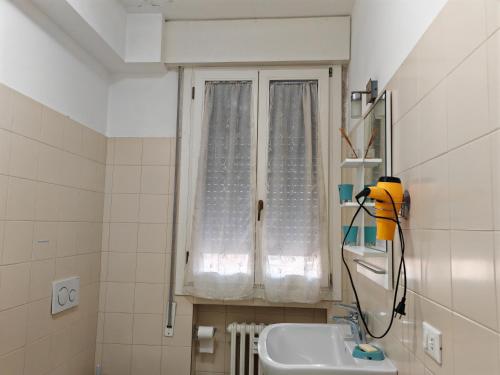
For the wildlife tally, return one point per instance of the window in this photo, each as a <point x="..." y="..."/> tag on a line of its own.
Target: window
<point x="254" y="212"/>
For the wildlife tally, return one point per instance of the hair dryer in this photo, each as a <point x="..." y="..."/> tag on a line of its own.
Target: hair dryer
<point x="388" y="195"/>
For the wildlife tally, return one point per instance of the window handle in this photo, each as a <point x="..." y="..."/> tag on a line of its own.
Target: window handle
<point x="260" y="207"/>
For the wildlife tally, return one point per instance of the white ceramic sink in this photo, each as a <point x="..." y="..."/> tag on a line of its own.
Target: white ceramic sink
<point x="313" y="349"/>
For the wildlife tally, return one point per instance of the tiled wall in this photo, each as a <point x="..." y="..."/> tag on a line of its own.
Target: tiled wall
<point x="51" y="204"/>
<point x="136" y="263"/>
<point x="446" y="130"/>
<point x="221" y="316"/>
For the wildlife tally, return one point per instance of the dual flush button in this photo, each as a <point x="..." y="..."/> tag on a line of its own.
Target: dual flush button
<point x="65" y="294"/>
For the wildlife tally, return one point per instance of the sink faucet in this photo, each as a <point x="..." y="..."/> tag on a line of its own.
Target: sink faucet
<point x="358" y="330"/>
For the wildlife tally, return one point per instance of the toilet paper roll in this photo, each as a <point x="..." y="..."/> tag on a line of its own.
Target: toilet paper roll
<point x="205" y="336"/>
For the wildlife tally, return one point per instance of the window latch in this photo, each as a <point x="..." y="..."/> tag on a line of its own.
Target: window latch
<point x="260" y="207"/>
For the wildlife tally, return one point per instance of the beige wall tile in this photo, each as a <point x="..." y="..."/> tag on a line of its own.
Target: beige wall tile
<point x="39" y="322"/>
<point x="480" y="358"/>
<point x="405" y="96"/>
<point x="110" y="151"/>
<point x="21" y="199"/>
<point x="150" y="268"/>
<point x="149" y="298"/>
<point x="413" y="259"/>
<point x="72" y="137"/>
<point x="5" y="146"/>
<point x="121" y="267"/>
<point x="471" y="108"/>
<point x="50" y="163"/>
<point x="38" y="358"/>
<point x="156" y="151"/>
<point x="118" y="328"/>
<point x="433" y="62"/>
<point x="65" y="267"/>
<point x="4" y="183"/>
<point x="18" y="242"/>
<point x="116" y="359"/>
<point x="152" y="238"/>
<point x="126" y="179"/>
<point x="127" y="151"/>
<point x="23" y="157"/>
<point x="61" y="345"/>
<point x="433" y="123"/>
<point x="123" y="237"/>
<point x="176" y="360"/>
<point x="13" y="328"/>
<point x="47" y="204"/>
<point x="94" y="145"/>
<point x="407" y="141"/>
<point x="155" y="180"/>
<point x="436" y="266"/>
<point x="184" y="305"/>
<point x="41" y="277"/>
<point x="6" y="97"/>
<point x="495" y="149"/>
<point x="146" y="360"/>
<point x="14" y="285"/>
<point x="471" y="163"/>
<point x="26" y="116"/>
<point x="492" y="16"/>
<point x="493" y="47"/>
<point x="460" y="41"/>
<point x="66" y="238"/>
<point x="119" y="297"/>
<point x="124" y="207"/>
<point x="147" y="329"/>
<point x="153" y="208"/>
<point x="497" y="272"/>
<point x="13" y="363"/>
<point x="473" y="274"/>
<point x="434" y="194"/>
<point x="52" y="128"/>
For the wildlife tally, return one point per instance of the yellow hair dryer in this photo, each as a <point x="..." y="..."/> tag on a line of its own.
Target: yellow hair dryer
<point x="387" y="192"/>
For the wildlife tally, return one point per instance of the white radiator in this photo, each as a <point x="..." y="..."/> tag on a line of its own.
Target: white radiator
<point x="245" y="359"/>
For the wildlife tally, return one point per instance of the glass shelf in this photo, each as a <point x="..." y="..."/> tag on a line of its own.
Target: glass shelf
<point x="355" y="204"/>
<point x="364" y="251"/>
<point x="356" y="163"/>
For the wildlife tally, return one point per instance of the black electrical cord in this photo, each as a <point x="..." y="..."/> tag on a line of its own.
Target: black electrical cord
<point x="400" y="308"/>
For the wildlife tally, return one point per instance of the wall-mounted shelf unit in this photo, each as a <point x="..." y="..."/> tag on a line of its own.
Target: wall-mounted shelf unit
<point x="374" y="262"/>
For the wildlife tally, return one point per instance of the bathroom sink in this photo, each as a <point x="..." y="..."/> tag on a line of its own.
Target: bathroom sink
<point x="310" y="349"/>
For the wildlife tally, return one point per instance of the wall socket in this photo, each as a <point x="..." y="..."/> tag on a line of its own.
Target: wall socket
<point x="432" y="342"/>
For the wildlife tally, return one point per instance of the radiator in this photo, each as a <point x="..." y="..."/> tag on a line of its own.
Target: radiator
<point x="245" y="336"/>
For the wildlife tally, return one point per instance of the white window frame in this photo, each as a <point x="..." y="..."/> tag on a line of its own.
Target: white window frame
<point x="329" y="97"/>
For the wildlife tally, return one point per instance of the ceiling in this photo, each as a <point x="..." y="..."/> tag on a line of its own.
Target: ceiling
<point x="227" y="9"/>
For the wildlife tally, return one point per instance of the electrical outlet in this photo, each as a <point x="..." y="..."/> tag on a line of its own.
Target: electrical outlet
<point x="432" y="342"/>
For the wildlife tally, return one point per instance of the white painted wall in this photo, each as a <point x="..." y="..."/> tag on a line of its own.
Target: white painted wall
<point x="40" y="61"/>
<point x="143" y="106"/>
<point x="322" y="39"/>
<point x="144" y="37"/>
<point x="383" y="33"/>
<point x="107" y="17"/>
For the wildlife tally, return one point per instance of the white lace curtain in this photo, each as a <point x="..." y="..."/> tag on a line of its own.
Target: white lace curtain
<point x="221" y="262"/>
<point x="293" y="218"/>
<point x="222" y="249"/>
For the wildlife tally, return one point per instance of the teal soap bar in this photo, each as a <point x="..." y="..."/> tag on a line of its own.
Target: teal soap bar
<point x="376" y="355"/>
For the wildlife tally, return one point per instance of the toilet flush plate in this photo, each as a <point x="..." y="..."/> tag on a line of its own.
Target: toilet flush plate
<point x="65" y="294"/>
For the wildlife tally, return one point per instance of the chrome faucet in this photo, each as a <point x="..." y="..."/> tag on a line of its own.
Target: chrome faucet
<point x="358" y="331"/>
